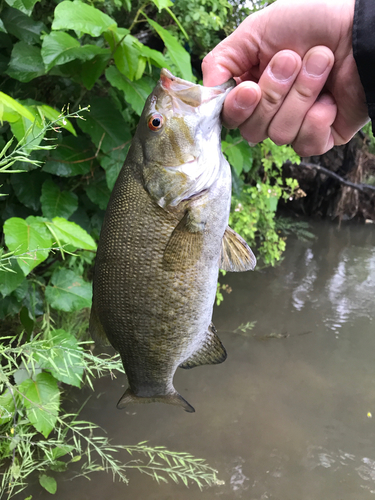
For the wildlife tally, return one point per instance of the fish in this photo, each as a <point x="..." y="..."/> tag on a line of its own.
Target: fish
<point x="164" y="237"/>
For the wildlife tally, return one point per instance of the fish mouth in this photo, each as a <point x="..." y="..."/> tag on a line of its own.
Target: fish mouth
<point x="191" y="93"/>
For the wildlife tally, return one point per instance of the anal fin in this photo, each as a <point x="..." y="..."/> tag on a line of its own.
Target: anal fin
<point x="184" y="247"/>
<point x="236" y="255"/>
<point x="96" y="329"/>
<point x="212" y="351"/>
<point x="173" y="399"/>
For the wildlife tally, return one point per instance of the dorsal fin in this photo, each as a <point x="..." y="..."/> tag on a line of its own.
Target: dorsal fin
<point x="212" y="351"/>
<point x="236" y="255"/>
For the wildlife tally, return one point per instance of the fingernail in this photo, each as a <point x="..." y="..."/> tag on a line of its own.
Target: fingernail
<point x="245" y="97"/>
<point x="283" y="66"/>
<point x="317" y="63"/>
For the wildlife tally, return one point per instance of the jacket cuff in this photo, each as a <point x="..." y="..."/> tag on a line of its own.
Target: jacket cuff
<point x="364" y="50"/>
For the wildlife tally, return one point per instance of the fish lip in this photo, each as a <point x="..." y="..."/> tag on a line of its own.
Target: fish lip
<point x="171" y="83"/>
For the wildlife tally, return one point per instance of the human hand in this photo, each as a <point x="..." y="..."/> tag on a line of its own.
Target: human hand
<point x="297" y="79"/>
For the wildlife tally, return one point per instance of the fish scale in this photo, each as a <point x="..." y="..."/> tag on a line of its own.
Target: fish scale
<point x="157" y="263"/>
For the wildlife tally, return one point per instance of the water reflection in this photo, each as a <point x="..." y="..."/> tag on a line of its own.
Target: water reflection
<point x="286" y="416"/>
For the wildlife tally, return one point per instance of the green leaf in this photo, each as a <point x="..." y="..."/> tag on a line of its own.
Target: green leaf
<point x="247" y="155"/>
<point x="162" y="4"/>
<point x="178" y="54"/>
<point x="25" y="6"/>
<point x="42" y="401"/>
<point x="69" y="291"/>
<point x="27" y="238"/>
<point x="28" y="187"/>
<point x="6" y="407"/>
<point x="56" y="202"/>
<point x="72" y="157"/>
<point x="31" y="130"/>
<point x="71" y="234"/>
<point x="135" y="92"/>
<point x="64" y="359"/>
<point x="112" y="163"/>
<point x="78" y="16"/>
<point x="154" y="56"/>
<point x="235" y="158"/>
<point x="61" y="450"/>
<point x="93" y="69"/>
<point x="59" y="466"/>
<point x="26" y="62"/>
<point x="27" y="322"/>
<point x="98" y="192"/>
<point x="60" y="48"/>
<point x="127" y="54"/>
<point x="11" y="110"/>
<point x="10" y="280"/>
<point x="9" y="306"/>
<point x="105" y="125"/>
<point x="22" y="26"/>
<point x="48" y="483"/>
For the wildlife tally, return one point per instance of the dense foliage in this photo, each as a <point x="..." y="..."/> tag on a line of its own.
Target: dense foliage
<point x="74" y="79"/>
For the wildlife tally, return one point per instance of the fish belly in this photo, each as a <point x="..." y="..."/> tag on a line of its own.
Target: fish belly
<point x="156" y="318"/>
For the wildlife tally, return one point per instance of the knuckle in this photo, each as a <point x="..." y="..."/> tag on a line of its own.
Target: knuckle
<point x="271" y="99"/>
<point x="305" y="93"/>
<point x="251" y="137"/>
<point x="280" y="137"/>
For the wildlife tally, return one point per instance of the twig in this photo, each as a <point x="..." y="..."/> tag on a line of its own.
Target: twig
<point x="359" y="187"/>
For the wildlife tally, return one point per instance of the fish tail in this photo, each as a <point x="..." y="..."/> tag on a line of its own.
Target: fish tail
<point x="172" y="399"/>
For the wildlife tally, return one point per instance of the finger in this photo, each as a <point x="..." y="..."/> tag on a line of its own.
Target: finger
<point x="315" y="136"/>
<point x="316" y="67"/>
<point x="275" y="83"/>
<point x="240" y="104"/>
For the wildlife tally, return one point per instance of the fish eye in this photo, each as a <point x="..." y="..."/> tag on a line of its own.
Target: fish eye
<point x="155" y="122"/>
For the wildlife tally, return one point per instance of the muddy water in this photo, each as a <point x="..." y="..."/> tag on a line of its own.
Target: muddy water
<point x="288" y="415"/>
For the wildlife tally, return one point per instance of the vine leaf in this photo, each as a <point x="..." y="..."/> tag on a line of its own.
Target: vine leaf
<point x="59" y="48"/>
<point x="64" y="360"/>
<point x="69" y="291"/>
<point x="22" y="26"/>
<point x="105" y="125"/>
<point x="179" y="56"/>
<point x="78" y="16"/>
<point x="26" y="62"/>
<point x="70" y="233"/>
<point x="28" y="239"/>
<point x="48" y="483"/>
<point x="25" y="6"/>
<point x="41" y="398"/>
<point x="56" y="202"/>
<point x="135" y="92"/>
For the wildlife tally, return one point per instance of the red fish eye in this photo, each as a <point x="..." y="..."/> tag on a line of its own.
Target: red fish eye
<point x="155" y="122"/>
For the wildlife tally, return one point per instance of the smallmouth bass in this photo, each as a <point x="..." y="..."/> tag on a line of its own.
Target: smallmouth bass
<point x="164" y="236"/>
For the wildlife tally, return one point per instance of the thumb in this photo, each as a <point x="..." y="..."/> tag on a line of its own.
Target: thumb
<point x="234" y="56"/>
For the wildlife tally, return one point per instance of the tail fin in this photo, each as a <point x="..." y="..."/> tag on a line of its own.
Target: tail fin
<point x="172" y="399"/>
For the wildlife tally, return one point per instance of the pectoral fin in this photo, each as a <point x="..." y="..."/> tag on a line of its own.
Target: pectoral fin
<point x="236" y="255"/>
<point x="185" y="245"/>
<point x="172" y="399"/>
<point x="211" y="353"/>
<point x="96" y="329"/>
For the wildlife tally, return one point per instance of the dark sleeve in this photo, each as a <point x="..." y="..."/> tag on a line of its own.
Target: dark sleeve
<point x="364" y="50"/>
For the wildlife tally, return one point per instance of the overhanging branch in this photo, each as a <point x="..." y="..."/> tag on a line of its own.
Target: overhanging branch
<point x="359" y="187"/>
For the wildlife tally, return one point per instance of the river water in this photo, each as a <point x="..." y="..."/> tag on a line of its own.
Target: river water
<point x="288" y="416"/>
